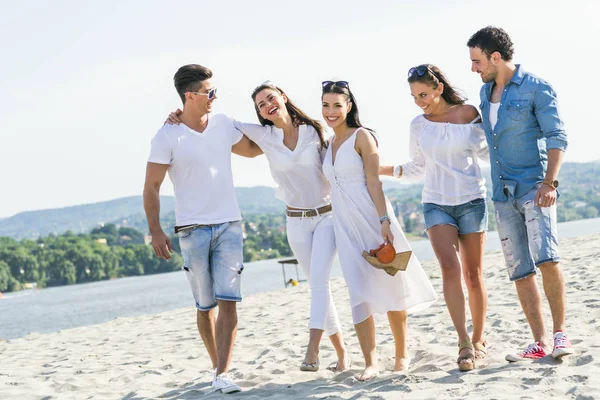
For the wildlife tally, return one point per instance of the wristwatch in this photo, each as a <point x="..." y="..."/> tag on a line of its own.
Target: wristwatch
<point x="554" y="183"/>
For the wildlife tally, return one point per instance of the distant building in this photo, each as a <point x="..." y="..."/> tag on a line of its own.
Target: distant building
<point x="578" y="204"/>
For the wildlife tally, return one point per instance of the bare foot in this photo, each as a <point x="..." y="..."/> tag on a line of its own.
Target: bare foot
<point x="368" y="373"/>
<point x="342" y="364"/>
<point x="401" y="365"/>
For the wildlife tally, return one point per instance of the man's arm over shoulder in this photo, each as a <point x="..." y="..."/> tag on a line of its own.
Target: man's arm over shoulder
<point x="545" y="108"/>
<point x="246" y="148"/>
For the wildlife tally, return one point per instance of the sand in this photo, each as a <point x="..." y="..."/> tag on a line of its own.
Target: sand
<point x="162" y="356"/>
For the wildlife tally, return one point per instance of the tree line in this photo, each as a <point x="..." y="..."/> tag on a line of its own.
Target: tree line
<point x="105" y="253"/>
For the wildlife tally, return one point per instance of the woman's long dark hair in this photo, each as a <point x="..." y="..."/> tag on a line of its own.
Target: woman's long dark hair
<point x="298" y="116"/>
<point x="432" y="77"/>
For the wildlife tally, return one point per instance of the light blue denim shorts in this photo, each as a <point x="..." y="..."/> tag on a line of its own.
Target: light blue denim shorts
<point x="528" y="234"/>
<point x="469" y="217"/>
<point x="213" y="262"/>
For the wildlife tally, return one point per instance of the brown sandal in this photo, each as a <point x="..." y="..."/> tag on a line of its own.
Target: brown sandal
<point x="480" y="349"/>
<point x="466" y="362"/>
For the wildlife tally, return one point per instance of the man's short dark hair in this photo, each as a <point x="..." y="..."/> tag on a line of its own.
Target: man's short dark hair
<point x="189" y="79"/>
<point x="491" y="39"/>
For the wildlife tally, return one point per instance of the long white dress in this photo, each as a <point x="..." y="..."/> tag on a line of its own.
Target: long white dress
<point x="357" y="228"/>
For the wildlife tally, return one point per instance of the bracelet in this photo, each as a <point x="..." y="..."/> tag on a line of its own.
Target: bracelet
<point x="397" y="171"/>
<point x="384" y="218"/>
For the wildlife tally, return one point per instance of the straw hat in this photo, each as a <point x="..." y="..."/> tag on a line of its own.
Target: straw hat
<point x="399" y="263"/>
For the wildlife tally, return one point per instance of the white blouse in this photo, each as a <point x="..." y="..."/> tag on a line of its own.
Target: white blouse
<point x="299" y="172"/>
<point x="447" y="155"/>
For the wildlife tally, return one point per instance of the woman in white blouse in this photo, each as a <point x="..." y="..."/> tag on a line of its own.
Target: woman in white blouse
<point x="294" y="146"/>
<point x="446" y="145"/>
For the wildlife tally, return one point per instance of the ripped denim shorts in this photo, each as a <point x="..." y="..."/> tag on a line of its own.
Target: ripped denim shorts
<point x="528" y="234"/>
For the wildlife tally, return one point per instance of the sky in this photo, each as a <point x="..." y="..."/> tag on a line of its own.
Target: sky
<point x="86" y="85"/>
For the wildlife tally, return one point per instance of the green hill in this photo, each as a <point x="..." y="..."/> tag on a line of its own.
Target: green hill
<point x="127" y="211"/>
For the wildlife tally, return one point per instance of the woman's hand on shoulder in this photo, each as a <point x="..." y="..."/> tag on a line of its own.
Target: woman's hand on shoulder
<point x="173" y="118"/>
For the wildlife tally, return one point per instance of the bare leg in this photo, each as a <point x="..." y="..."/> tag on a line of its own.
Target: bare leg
<point x="365" y="332"/>
<point x="531" y="302"/>
<point x="554" y="288"/>
<point x="398" y="324"/>
<point x="343" y="362"/>
<point x="312" y="350"/>
<point x="226" y="330"/>
<point x="206" y="322"/>
<point x="444" y="240"/>
<point x="471" y="252"/>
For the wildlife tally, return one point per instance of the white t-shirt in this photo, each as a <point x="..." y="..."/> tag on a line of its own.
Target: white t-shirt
<point x="494" y="107"/>
<point x="447" y="155"/>
<point x="299" y="172"/>
<point x="200" y="169"/>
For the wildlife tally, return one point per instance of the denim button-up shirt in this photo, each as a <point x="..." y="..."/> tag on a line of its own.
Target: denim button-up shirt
<point x="528" y="125"/>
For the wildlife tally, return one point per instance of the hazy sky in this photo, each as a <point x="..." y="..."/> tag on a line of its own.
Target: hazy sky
<point x="85" y="87"/>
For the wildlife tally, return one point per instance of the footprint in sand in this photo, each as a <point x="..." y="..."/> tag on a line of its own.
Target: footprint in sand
<point x="584" y="360"/>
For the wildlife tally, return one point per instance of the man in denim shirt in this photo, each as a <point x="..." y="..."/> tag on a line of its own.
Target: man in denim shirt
<point x="526" y="140"/>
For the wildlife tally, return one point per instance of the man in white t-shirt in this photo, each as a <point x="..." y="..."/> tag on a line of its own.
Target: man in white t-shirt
<point x="197" y="156"/>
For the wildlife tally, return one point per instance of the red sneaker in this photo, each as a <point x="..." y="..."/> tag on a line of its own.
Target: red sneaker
<point x="562" y="345"/>
<point x="533" y="352"/>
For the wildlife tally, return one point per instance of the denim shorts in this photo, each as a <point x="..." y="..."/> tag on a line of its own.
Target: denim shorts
<point x="528" y="234"/>
<point x="469" y="217"/>
<point x="213" y="262"/>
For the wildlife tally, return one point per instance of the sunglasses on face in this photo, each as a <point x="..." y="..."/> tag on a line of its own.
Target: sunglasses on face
<point x="211" y="93"/>
<point x="328" y="84"/>
<point x="420" y="71"/>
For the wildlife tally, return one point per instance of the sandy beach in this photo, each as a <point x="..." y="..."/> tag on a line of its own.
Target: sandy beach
<point x="162" y="356"/>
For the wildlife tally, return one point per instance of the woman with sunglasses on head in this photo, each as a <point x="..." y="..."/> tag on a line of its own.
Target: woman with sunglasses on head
<point x="294" y="146"/>
<point x="446" y="144"/>
<point x="362" y="219"/>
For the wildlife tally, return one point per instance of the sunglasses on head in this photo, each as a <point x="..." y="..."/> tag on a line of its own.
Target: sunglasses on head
<point x="419" y="71"/>
<point x="262" y="85"/>
<point x="328" y="84"/>
<point x="211" y="93"/>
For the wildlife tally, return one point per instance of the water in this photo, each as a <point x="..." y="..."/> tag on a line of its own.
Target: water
<point x="53" y="309"/>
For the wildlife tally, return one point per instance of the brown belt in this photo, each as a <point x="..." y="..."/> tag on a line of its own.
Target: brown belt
<point x="308" y="213"/>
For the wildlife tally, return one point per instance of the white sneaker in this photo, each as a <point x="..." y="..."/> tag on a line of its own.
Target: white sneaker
<point x="225" y="385"/>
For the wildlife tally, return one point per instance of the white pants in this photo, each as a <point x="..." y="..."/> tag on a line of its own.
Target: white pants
<point x="313" y="242"/>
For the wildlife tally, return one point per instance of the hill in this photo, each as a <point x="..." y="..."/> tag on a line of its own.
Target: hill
<point x="127" y="211"/>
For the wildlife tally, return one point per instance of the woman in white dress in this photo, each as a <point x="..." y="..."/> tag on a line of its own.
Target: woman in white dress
<point x="446" y="146"/>
<point x="363" y="218"/>
<point x="294" y="146"/>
